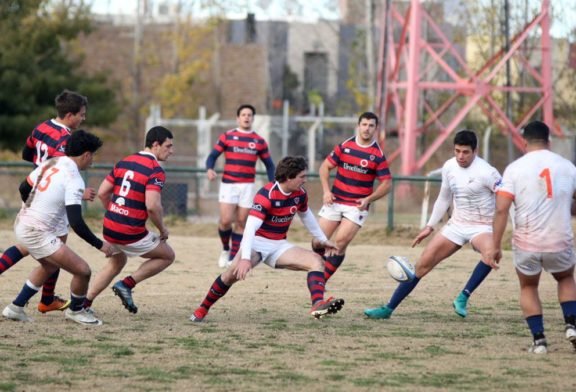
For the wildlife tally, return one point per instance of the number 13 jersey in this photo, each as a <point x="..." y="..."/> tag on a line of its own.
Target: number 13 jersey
<point x="56" y="184"/>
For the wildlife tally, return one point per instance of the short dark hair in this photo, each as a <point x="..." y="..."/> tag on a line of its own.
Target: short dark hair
<point x="245" y="106"/>
<point x="466" y="137"/>
<point x="368" y="116"/>
<point x="289" y="167"/>
<point x="69" y="102"/>
<point x="157" y="134"/>
<point x="536" y="131"/>
<point x="80" y="142"/>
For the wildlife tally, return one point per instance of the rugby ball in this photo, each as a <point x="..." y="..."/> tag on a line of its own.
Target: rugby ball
<point x="400" y="269"/>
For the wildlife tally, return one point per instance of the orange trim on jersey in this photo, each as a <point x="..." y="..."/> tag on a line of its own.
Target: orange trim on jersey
<point x="507" y="195"/>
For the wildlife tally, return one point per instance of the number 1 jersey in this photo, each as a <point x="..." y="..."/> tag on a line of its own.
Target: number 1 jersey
<point x="542" y="185"/>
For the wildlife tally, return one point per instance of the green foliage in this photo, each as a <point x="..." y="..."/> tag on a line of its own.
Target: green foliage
<point x="38" y="59"/>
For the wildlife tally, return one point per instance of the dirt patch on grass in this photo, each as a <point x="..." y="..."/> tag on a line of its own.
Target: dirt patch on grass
<point x="259" y="337"/>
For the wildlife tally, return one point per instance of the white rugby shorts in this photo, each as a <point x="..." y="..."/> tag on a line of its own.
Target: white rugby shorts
<point x="270" y="250"/>
<point x="138" y="248"/>
<point x="241" y="194"/>
<point x="462" y="234"/>
<point x="531" y="263"/>
<point x="61" y="228"/>
<point x="40" y="243"/>
<point x="336" y="211"/>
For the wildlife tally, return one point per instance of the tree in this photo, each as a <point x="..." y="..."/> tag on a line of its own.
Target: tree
<point x="190" y="69"/>
<point x="38" y="59"/>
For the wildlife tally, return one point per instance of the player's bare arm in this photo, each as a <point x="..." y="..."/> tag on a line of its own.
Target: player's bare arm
<point x="503" y="204"/>
<point x="330" y="247"/>
<point x="426" y="231"/>
<point x="211" y="174"/>
<point x="105" y="192"/>
<point x="89" y="194"/>
<point x="441" y="206"/>
<point x="324" y="174"/>
<point x="381" y="191"/>
<point x="156" y="212"/>
<point x="242" y="268"/>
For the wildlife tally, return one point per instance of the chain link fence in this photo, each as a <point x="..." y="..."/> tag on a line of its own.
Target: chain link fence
<point x="188" y="194"/>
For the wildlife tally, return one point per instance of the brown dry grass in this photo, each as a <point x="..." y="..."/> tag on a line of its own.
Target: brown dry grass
<point x="260" y="337"/>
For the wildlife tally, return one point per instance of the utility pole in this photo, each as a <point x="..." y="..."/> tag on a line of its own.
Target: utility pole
<point x="137" y="73"/>
<point x="506" y="28"/>
<point x="370" y="68"/>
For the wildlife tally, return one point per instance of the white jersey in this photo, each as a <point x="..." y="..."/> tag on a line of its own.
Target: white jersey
<point x="470" y="189"/>
<point x="57" y="183"/>
<point x="542" y="185"/>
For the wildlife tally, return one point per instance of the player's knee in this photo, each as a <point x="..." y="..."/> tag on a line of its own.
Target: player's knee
<point x="422" y="269"/>
<point x="225" y="223"/>
<point x="228" y="277"/>
<point x="316" y="263"/>
<point x="342" y="244"/>
<point x="84" y="271"/>
<point x="317" y="247"/>
<point x="341" y="248"/>
<point x="169" y="256"/>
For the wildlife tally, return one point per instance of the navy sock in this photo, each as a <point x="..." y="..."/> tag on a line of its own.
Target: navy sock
<point x="49" y="287"/>
<point x="402" y="292"/>
<point x="316" y="285"/>
<point x="536" y="325"/>
<point x="27" y="292"/>
<point x="236" y="240"/>
<point x="478" y="275"/>
<point x="569" y="311"/>
<point x="10" y="257"/>
<point x="217" y="291"/>
<point x="331" y="265"/>
<point x="76" y="302"/>
<point x="225" y="238"/>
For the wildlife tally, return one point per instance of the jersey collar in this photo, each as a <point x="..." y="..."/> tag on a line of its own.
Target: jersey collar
<point x="60" y="124"/>
<point x="143" y="152"/>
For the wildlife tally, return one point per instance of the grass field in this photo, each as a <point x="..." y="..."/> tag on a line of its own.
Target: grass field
<point x="259" y="337"/>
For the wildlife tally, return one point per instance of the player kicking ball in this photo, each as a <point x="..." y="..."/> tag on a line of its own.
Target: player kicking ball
<point x="264" y="240"/>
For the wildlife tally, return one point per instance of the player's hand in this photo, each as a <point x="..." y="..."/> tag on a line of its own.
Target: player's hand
<point x="363" y="204"/>
<point x="422" y="235"/>
<point x="493" y="259"/>
<point x="328" y="198"/>
<point x="164" y="234"/>
<point x="211" y="174"/>
<point x="331" y="249"/>
<point x="89" y="194"/>
<point x="107" y="249"/>
<point x="242" y="268"/>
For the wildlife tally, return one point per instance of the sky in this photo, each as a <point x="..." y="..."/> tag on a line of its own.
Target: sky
<point x="263" y="9"/>
<point x="564" y="12"/>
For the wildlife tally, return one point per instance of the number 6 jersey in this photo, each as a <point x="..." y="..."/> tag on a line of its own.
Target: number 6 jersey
<point x="542" y="185"/>
<point x="126" y="215"/>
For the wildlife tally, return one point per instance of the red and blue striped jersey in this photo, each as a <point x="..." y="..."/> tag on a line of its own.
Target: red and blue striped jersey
<point x="358" y="166"/>
<point x="277" y="210"/>
<point x="126" y="214"/>
<point x="241" y="150"/>
<point x="47" y="140"/>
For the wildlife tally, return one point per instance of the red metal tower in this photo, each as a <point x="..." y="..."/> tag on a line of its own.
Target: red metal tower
<point x="404" y="76"/>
